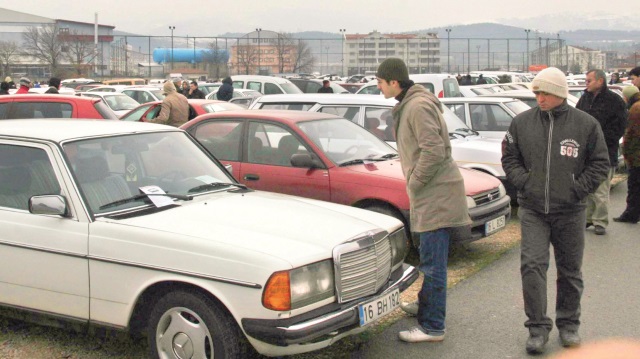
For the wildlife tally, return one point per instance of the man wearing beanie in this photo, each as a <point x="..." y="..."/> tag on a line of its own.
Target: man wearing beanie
<point x="555" y="156"/>
<point x="435" y="188"/>
<point x="25" y="85"/>
<point x="610" y="110"/>
<point x="174" y="110"/>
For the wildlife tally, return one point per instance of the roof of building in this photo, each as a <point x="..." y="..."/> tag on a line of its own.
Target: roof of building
<point x="11" y="16"/>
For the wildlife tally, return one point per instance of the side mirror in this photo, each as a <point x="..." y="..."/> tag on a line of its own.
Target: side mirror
<point x="305" y="161"/>
<point x="48" y="205"/>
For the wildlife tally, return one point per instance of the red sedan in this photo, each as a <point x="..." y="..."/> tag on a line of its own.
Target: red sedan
<point x="325" y="157"/>
<point x="197" y="107"/>
<point x="53" y="106"/>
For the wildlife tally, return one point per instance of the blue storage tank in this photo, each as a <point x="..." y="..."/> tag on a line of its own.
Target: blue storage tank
<point x="163" y="55"/>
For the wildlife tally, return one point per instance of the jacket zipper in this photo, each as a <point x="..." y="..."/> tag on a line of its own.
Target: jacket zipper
<point x="546" y="185"/>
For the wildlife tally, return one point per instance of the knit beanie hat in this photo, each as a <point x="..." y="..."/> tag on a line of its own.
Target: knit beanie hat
<point x="25" y="81"/>
<point x="552" y="81"/>
<point x="393" y="69"/>
<point x="169" y="87"/>
<point x="629" y="91"/>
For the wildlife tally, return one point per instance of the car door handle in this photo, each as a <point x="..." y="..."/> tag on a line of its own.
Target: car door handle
<point x="251" y="177"/>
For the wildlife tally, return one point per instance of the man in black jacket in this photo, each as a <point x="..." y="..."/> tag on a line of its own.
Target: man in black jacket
<point x="194" y="91"/>
<point x="225" y="92"/>
<point x="610" y="110"/>
<point x="555" y="156"/>
<point x="54" y="85"/>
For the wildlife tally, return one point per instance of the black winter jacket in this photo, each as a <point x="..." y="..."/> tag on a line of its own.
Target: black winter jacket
<point x="610" y="110"/>
<point x="554" y="159"/>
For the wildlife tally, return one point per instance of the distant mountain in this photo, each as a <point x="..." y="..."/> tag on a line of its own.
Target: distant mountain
<point x="578" y="20"/>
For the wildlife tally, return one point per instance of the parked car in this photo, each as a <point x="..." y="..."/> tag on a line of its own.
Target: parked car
<point x="109" y="88"/>
<point x="151" y="110"/>
<point x="134" y="226"/>
<point x="441" y="85"/>
<point x="528" y="97"/>
<point x="236" y="93"/>
<point x="351" y="87"/>
<point x="120" y="103"/>
<point x="245" y="102"/>
<point x="208" y="87"/>
<point x="267" y="85"/>
<point x="313" y="85"/>
<point x="490" y="116"/>
<point x="125" y="81"/>
<point x="53" y="106"/>
<point x="325" y="157"/>
<point x="144" y="94"/>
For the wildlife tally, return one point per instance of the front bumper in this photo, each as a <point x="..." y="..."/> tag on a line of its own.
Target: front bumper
<point x="485" y="213"/>
<point x="322" y="323"/>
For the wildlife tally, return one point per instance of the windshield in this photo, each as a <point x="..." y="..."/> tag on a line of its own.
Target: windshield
<point x="290" y="88"/>
<point x="454" y="123"/>
<point x="159" y="94"/>
<point x="344" y="141"/>
<point x="119" y="168"/>
<point x="517" y="106"/>
<point x="219" y="107"/>
<point x="120" y="102"/>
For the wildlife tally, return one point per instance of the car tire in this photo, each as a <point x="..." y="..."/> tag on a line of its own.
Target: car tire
<point x="393" y="213"/>
<point x="188" y="324"/>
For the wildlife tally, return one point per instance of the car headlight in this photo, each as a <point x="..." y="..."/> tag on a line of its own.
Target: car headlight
<point x="399" y="247"/>
<point x="298" y="287"/>
<point x="503" y="191"/>
<point x="471" y="203"/>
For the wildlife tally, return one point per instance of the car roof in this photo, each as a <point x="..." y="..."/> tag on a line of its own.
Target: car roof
<point x="289" y="117"/>
<point x="476" y="99"/>
<point x="329" y="99"/>
<point x="511" y="93"/>
<point x="34" y="97"/>
<point x="59" y="130"/>
<point x="279" y="80"/>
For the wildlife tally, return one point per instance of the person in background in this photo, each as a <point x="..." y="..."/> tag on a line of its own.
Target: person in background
<point x="54" y="85"/>
<point x="194" y="91"/>
<point x="4" y="88"/>
<point x="634" y="76"/>
<point x="631" y="153"/>
<point x="555" y="155"/>
<point x="225" y="92"/>
<point x="615" y="78"/>
<point x="174" y="110"/>
<point x="435" y="188"/>
<point x="184" y="88"/>
<point x="481" y="80"/>
<point x="326" y="88"/>
<point x="25" y="85"/>
<point x="609" y="109"/>
<point x="8" y="80"/>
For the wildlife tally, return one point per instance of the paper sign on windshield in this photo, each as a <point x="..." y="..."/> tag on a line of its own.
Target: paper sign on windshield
<point x="156" y="196"/>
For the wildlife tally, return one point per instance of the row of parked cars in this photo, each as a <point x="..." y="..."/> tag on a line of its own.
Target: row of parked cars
<point x="268" y="229"/>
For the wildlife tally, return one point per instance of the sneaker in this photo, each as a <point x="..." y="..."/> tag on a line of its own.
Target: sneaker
<point x="416" y="334"/>
<point x="570" y="338"/>
<point x="410" y="308"/>
<point x="589" y="224"/>
<point x="599" y="230"/>
<point x="536" y="342"/>
<point x="624" y="219"/>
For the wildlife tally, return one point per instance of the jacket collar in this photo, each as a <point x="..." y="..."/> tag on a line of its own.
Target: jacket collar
<point x="557" y="111"/>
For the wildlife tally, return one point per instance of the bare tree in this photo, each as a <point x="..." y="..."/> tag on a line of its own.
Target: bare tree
<point x="215" y="57"/>
<point x="302" y="59"/>
<point x="78" y="49"/>
<point x="285" y="49"/>
<point x="8" y="53"/>
<point x="44" y="44"/>
<point x="246" y="58"/>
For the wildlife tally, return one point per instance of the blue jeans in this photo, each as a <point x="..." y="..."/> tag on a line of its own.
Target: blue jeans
<point x="432" y="299"/>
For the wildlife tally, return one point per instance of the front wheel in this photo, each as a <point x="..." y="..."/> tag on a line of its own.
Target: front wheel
<point x="190" y="325"/>
<point x="393" y="213"/>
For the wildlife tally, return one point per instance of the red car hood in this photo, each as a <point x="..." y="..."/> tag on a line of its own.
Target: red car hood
<point x="474" y="181"/>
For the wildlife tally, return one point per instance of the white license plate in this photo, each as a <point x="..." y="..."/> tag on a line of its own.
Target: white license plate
<point x="379" y="307"/>
<point x="494" y="225"/>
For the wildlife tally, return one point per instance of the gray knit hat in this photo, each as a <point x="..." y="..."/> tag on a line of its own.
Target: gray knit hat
<point x="552" y="81"/>
<point x="393" y="69"/>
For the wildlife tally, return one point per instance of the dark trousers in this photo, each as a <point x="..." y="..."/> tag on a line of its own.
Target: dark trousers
<point x="633" y="195"/>
<point x="565" y="232"/>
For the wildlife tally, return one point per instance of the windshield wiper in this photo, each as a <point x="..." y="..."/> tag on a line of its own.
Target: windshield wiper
<point x="214" y="185"/>
<point x="468" y="130"/>
<point x="384" y="157"/>
<point x="144" y="195"/>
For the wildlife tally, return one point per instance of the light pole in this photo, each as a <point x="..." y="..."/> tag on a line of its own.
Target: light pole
<point x="478" y="48"/>
<point x="448" y="49"/>
<point x="527" y="31"/>
<point x="172" y="28"/>
<point x="258" y="30"/>
<point x="342" y="35"/>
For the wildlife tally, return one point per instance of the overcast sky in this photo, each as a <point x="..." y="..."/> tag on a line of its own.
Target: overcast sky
<point x="214" y="17"/>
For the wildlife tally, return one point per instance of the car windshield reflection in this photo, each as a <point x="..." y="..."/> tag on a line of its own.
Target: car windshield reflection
<point x="344" y="142"/>
<point x="113" y="171"/>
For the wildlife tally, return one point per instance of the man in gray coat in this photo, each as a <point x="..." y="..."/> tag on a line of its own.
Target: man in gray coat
<point x="435" y="188"/>
<point x="555" y="156"/>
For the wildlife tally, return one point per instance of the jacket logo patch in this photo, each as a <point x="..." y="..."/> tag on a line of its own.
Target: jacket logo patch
<point x="569" y="148"/>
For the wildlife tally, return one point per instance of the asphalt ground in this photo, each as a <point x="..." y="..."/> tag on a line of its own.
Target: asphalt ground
<point x="485" y="313"/>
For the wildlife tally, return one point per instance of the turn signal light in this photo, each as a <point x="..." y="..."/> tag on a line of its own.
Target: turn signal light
<point x="277" y="292"/>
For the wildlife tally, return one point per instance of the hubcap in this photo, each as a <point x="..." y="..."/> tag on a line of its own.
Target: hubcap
<point x="182" y="346"/>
